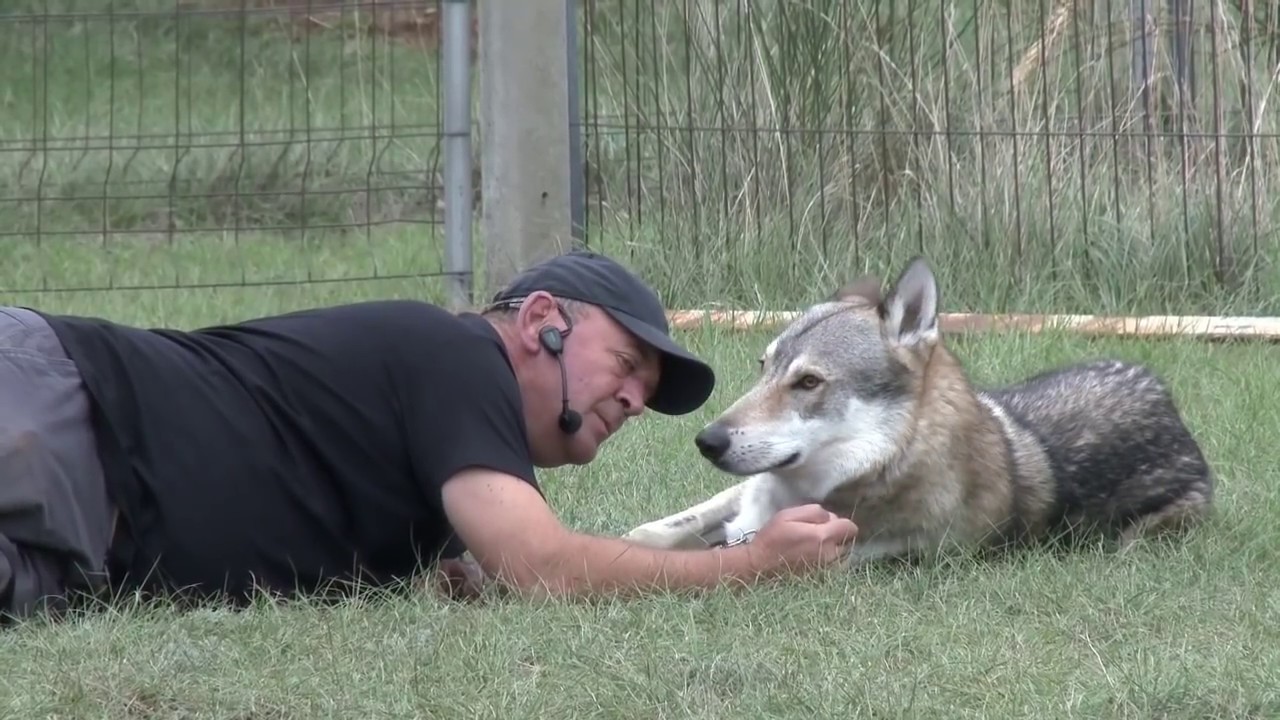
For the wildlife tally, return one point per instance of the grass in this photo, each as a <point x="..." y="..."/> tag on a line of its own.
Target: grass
<point x="214" y="151"/>
<point x="738" y="158"/>
<point x="1181" y="630"/>
<point x="842" y="135"/>
<point x="224" y="172"/>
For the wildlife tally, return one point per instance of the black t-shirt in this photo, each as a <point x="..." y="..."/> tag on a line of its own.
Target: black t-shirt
<point x="286" y="452"/>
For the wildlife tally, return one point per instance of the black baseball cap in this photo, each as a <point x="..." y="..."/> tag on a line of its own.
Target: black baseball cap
<point x="684" y="381"/>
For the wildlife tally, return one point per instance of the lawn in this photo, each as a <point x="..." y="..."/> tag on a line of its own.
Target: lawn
<point x="1182" y="630"/>
<point x="223" y="173"/>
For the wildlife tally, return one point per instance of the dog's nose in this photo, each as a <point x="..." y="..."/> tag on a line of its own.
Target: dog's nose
<point x="712" y="442"/>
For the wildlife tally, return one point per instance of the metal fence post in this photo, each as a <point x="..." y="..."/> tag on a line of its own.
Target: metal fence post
<point x="458" y="192"/>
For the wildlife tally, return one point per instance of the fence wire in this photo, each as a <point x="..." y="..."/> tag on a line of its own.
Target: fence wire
<point x="1081" y="155"/>
<point x="212" y="143"/>
<point x="1071" y="154"/>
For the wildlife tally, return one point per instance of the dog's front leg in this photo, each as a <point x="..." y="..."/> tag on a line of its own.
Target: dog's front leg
<point x="694" y="528"/>
<point x="762" y="498"/>
<point x="875" y="550"/>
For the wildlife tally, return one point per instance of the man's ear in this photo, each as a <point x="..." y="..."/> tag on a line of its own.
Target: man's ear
<point x="536" y="312"/>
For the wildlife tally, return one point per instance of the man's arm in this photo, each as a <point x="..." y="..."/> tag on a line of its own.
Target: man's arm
<point x="516" y="537"/>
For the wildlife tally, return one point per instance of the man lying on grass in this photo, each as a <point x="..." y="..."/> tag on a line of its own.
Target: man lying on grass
<point x="347" y="445"/>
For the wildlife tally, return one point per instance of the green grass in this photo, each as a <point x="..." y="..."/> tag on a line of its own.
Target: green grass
<point x="1181" y="630"/>
<point x="746" y="218"/>
<point x="214" y="152"/>
<point x="737" y="158"/>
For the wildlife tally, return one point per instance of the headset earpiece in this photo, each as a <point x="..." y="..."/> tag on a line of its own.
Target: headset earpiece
<point x="552" y="339"/>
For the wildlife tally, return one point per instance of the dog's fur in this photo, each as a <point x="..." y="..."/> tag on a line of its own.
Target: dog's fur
<point x="861" y="407"/>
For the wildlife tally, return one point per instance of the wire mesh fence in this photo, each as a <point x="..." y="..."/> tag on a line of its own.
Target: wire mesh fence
<point x="213" y="143"/>
<point x="1076" y="155"/>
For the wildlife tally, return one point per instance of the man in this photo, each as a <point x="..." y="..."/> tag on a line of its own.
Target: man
<point x="352" y="444"/>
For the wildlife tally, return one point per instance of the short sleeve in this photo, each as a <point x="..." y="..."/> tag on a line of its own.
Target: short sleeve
<point x="465" y="411"/>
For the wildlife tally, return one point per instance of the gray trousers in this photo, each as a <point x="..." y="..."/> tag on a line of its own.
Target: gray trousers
<point x="56" y="520"/>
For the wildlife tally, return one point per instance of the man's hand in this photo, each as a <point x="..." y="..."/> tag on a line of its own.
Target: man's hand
<point x="801" y="538"/>
<point x="459" y="578"/>
<point x="518" y="541"/>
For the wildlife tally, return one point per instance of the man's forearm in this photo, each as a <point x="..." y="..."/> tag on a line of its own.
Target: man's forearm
<point x="584" y="564"/>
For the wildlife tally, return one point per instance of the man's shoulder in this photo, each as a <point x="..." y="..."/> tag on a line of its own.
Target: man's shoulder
<point x="415" y="339"/>
<point x="421" y="328"/>
<point x="353" y="315"/>
<point x="407" y="319"/>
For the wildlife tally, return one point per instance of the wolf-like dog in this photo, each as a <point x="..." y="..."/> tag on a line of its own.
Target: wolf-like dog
<point x="861" y="407"/>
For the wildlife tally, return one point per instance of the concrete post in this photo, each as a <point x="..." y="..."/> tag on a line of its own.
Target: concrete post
<point x="524" y="135"/>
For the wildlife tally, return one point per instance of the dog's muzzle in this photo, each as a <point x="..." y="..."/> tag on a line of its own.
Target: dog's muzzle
<point x="713" y="441"/>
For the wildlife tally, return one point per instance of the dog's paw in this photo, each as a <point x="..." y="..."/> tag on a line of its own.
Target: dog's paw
<point x="655" y="535"/>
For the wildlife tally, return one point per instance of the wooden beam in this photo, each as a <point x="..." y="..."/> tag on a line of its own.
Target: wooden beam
<point x="1149" y="326"/>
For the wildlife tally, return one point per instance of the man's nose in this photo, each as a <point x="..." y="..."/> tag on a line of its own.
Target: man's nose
<point x="632" y="398"/>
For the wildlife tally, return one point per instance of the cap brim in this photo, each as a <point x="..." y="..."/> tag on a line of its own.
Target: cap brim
<point x="684" y="381"/>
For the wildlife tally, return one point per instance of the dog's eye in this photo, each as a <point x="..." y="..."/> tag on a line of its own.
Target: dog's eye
<point x="808" y="382"/>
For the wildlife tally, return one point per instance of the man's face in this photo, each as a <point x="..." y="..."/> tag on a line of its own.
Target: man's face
<point x="610" y="374"/>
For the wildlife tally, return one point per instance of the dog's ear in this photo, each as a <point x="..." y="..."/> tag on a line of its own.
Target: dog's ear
<point x="864" y="289"/>
<point x="911" y="309"/>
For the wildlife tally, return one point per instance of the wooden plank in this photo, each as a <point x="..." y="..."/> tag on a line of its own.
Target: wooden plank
<point x="1149" y="326"/>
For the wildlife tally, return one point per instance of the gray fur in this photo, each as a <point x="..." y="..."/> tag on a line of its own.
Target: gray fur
<point x="864" y="369"/>
<point x="1116" y="444"/>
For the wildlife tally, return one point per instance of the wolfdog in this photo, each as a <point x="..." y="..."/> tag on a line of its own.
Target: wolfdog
<point x="862" y="408"/>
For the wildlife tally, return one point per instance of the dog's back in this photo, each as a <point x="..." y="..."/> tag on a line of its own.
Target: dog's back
<point x="1120" y="457"/>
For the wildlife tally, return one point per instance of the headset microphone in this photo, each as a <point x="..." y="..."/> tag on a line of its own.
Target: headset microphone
<point x="553" y="341"/>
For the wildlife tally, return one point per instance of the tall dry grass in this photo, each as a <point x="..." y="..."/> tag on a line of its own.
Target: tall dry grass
<point x="758" y="153"/>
